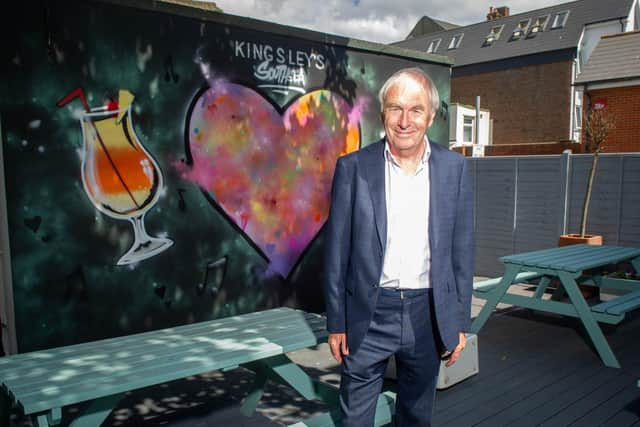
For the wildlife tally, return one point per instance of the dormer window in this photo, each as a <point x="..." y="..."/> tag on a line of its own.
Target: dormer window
<point x="538" y="25"/>
<point x="560" y="19"/>
<point x="455" y="41"/>
<point x="521" y="29"/>
<point x="493" y="35"/>
<point x="433" y="45"/>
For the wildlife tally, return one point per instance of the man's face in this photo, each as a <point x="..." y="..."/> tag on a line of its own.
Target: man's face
<point x="406" y="116"/>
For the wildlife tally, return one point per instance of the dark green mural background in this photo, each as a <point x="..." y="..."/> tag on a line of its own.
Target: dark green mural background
<point x="66" y="284"/>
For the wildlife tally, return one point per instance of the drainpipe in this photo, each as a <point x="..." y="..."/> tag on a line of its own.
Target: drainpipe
<point x="478" y="119"/>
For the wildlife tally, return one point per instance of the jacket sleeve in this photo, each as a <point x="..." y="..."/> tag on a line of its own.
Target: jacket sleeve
<point x="337" y="248"/>
<point x="464" y="247"/>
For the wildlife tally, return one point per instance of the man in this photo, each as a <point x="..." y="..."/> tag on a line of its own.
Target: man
<point x="399" y="258"/>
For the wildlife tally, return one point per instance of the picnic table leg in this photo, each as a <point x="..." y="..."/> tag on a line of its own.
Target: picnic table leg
<point x="250" y="402"/>
<point x="590" y="324"/>
<point x="41" y="421"/>
<point x="281" y="369"/>
<point x="558" y="294"/>
<point x="636" y="265"/>
<point x="542" y="286"/>
<point x="97" y="412"/>
<point x="51" y="418"/>
<point x="494" y="296"/>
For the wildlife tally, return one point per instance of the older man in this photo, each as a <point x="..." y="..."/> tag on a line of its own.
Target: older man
<point x="399" y="258"/>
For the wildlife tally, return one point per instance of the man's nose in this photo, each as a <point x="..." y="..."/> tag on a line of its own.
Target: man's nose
<point x="404" y="119"/>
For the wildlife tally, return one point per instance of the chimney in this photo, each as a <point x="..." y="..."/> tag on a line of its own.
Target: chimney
<point x="497" y="12"/>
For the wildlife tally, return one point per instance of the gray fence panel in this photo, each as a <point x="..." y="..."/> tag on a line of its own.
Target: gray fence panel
<point x="495" y="209"/>
<point x="629" y="232"/>
<point x="520" y="203"/>
<point x="540" y="203"/>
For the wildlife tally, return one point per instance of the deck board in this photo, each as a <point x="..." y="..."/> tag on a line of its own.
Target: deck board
<point x="540" y="369"/>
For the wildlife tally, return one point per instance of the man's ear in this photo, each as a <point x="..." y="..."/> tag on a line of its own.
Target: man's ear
<point x="433" y="116"/>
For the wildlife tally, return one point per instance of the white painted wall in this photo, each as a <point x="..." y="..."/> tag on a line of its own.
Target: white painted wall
<point x="456" y="125"/>
<point x="591" y="37"/>
<point x="633" y="23"/>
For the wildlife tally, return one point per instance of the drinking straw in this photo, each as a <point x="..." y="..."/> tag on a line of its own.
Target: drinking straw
<point x="76" y="93"/>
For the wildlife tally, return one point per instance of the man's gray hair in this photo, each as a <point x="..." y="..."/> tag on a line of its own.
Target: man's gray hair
<point x="418" y="75"/>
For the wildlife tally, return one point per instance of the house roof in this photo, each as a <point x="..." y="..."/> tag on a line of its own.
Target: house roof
<point x="472" y="51"/>
<point x="427" y="25"/>
<point x="616" y="57"/>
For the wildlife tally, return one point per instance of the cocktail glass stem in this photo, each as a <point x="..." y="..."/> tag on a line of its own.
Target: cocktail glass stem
<point x="144" y="246"/>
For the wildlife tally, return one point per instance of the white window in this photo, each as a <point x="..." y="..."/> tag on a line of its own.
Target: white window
<point x="455" y="41"/>
<point x="493" y="35"/>
<point x="577" y="110"/>
<point x="521" y="29"/>
<point x="433" y="45"/>
<point x="467" y="129"/>
<point x="538" y="25"/>
<point x="560" y="19"/>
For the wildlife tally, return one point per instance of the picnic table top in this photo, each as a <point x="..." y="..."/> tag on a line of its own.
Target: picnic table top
<point x="62" y="376"/>
<point x="573" y="258"/>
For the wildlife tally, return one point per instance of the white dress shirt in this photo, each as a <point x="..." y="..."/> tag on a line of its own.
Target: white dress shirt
<point x="407" y="258"/>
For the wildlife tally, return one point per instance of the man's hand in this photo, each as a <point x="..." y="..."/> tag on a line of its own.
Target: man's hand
<point x="456" y="353"/>
<point x="338" y="346"/>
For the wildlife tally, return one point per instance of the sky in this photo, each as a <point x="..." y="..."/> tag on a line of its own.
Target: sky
<point x="381" y="21"/>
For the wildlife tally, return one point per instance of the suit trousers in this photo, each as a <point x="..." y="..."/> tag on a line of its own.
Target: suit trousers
<point x="403" y="324"/>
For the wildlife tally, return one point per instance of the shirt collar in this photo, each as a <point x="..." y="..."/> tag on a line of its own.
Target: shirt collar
<point x="425" y="156"/>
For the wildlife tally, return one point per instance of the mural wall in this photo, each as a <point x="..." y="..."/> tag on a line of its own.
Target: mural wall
<point x="168" y="166"/>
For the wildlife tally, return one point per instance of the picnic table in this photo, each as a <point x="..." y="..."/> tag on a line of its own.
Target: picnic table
<point x="42" y="382"/>
<point x="571" y="266"/>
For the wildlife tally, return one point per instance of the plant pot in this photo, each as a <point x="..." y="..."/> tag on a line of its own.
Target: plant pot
<point x="576" y="239"/>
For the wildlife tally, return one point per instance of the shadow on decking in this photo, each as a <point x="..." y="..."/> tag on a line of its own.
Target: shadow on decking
<point x="535" y="369"/>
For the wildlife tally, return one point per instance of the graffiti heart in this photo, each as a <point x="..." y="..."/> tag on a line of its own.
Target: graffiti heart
<point x="270" y="170"/>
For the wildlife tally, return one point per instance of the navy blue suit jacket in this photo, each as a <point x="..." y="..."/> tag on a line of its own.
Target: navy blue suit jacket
<point x="356" y="238"/>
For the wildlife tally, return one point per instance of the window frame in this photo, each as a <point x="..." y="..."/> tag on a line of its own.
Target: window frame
<point x="521" y="28"/>
<point x="536" y="24"/>
<point x="454" y="43"/>
<point x="431" y="43"/>
<point x="493" y="35"/>
<point x="555" y="24"/>
<point x="470" y="126"/>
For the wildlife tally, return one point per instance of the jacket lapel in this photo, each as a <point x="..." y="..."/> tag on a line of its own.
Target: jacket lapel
<point x="435" y="187"/>
<point x="374" y="167"/>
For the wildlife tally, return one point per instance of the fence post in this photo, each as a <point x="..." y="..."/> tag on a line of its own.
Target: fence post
<point x="565" y="190"/>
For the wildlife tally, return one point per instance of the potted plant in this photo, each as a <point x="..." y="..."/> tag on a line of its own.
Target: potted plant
<point x="598" y="125"/>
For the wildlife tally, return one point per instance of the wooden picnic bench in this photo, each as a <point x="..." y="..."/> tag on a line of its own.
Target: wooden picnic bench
<point x="41" y="383"/>
<point x="567" y="264"/>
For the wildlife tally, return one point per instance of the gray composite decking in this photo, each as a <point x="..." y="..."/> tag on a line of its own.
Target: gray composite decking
<point x="539" y="369"/>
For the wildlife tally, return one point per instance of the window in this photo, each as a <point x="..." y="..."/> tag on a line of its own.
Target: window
<point x="560" y="19"/>
<point x="433" y="45"/>
<point x="538" y="25"/>
<point x="577" y="110"/>
<point x="455" y="41"/>
<point x="521" y="29"/>
<point x="467" y="129"/>
<point x="493" y="35"/>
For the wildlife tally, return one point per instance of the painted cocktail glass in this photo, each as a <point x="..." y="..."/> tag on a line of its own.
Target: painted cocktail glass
<point x="120" y="177"/>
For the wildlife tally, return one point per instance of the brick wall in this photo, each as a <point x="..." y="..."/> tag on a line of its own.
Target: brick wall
<point x="623" y="104"/>
<point x="529" y="104"/>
